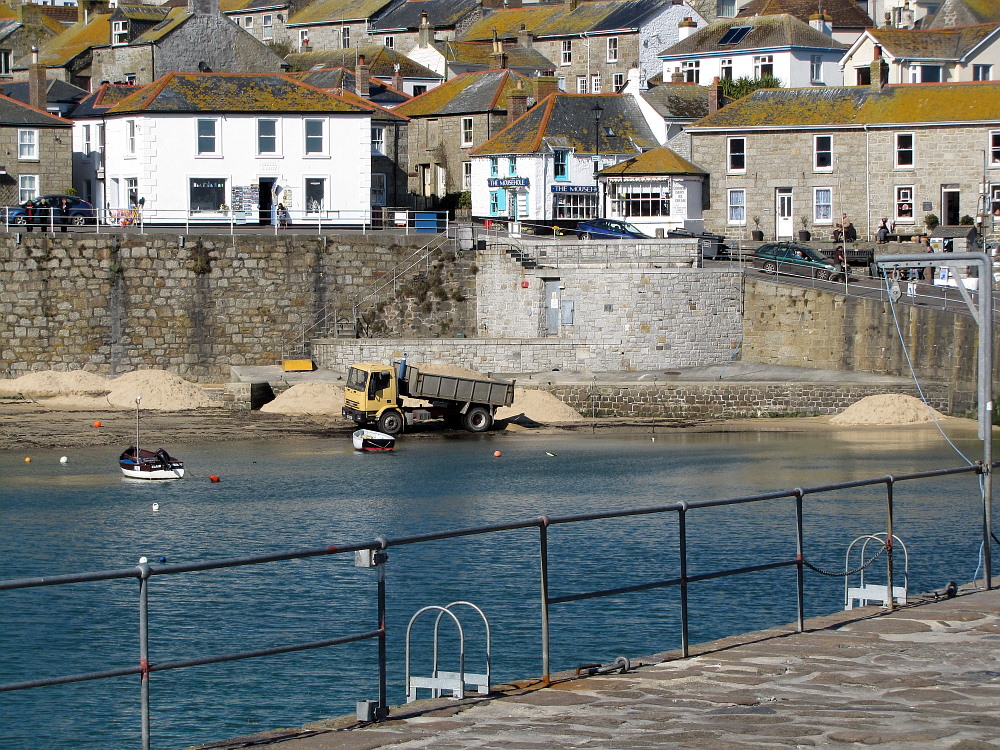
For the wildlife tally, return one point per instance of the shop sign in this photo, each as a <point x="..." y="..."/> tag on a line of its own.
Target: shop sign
<point x="574" y="188"/>
<point x="507" y="182"/>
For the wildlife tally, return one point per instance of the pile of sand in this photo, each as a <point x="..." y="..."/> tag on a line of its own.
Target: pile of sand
<point x="539" y="406"/>
<point x="887" y="409"/>
<point x="55" y="383"/>
<point x="308" y="398"/>
<point x="159" y="389"/>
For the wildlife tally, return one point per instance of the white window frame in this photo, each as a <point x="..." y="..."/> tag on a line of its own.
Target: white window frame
<point x="267" y="26"/>
<point x="816" y="68"/>
<point x="980" y="72"/>
<point x="204" y="139"/>
<point x="306" y="137"/>
<point x="691" y="69"/>
<point x="314" y="208"/>
<point x="119" y="33"/>
<point x="87" y="143"/>
<point x="303" y="37"/>
<point x="581" y="84"/>
<point x="822" y="146"/>
<point x="27" y="144"/>
<point x="276" y="135"/>
<point x="725" y="8"/>
<point x="130" y="138"/>
<point x="618" y="81"/>
<point x="468" y="131"/>
<point x="561" y="83"/>
<point x="27" y="187"/>
<point x="902" y="150"/>
<point x="736" y="210"/>
<point x="389" y="42"/>
<point x="248" y="22"/>
<point x="904" y="198"/>
<point x="566" y="56"/>
<point x="5" y="62"/>
<point x="726" y="68"/>
<point x="595" y="83"/>
<point x="994" y="148"/>
<point x="823" y="205"/>
<point x="378" y="139"/>
<point x="345" y="37"/>
<point x="736" y="155"/>
<point x="760" y="62"/>
<point x="612" y="49"/>
<point x="466" y="175"/>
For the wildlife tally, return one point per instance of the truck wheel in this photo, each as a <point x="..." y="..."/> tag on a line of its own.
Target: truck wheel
<point x="477" y="419"/>
<point x="391" y="423"/>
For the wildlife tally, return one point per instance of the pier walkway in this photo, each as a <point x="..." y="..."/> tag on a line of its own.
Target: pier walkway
<point x="926" y="675"/>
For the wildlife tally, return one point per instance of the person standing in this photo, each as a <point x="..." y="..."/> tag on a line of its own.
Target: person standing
<point x="60" y="213"/>
<point x="841" y="258"/>
<point x="29" y="215"/>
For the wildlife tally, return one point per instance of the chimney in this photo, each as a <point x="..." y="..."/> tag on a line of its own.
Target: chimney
<point x="517" y="102"/>
<point x="524" y="37"/>
<point x="570" y="5"/>
<point x="822" y="22"/>
<point x="714" y="96"/>
<point x="498" y="58"/>
<point x="906" y="16"/>
<point x="887" y="24"/>
<point x="36" y="82"/>
<point x="546" y="83"/>
<point x="362" y="77"/>
<point x="204" y="7"/>
<point x="397" y="78"/>
<point x="677" y="76"/>
<point x="879" y="70"/>
<point x="686" y="28"/>
<point x="425" y="34"/>
<point x="634" y="81"/>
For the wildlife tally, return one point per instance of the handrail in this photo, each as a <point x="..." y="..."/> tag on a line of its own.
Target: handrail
<point x="543" y="524"/>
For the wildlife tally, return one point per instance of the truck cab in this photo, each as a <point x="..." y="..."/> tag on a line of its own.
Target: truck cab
<point x="371" y="396"/>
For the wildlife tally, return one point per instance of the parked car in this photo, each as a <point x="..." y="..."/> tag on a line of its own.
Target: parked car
<point x="608" y="229"/>
<point x="796" y="260"/>
<point x="79" y="212"/>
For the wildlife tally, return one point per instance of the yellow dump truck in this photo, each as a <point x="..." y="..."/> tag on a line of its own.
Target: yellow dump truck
<point x="374" y="396"/>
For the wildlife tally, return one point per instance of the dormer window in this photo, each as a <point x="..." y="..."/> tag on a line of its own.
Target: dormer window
<point x="119" y="32"/>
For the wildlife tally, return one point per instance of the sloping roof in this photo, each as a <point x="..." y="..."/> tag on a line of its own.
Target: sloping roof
<point x="101" y="99"/>
<point x="381" y="61"/>
<point x="658" y="161"/>
<point x="231" y="92"/>
<point x="965" y="13"/>
<point x="952" y="43"/>
<point x="17" y="114"/>
<point x="334" y="11"/>
<point x="466" y="94"/>
<point x="142" y="13"/>
<point x="440" y="14"/>
<point x="904" y="104"/>
<point x="8" y="26"/>
<point x="378" y="111"/>
<point x="677" y="101"/>
<point x="343" y="79"/>
<point x="559" y="20"/>
<point x="766" y="32"/>
<point x="8" y="14"/>
<point x="846" y="14"/>
<point x="567" y="121"/>
<point x="478" y="53"/>
<point x="76" y="40"/>
<point x="56" y="91"/>
<point x="175" y="18"/>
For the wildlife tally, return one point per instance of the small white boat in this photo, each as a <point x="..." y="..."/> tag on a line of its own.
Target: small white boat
<point x="139" y="463"/>
<point x="370" y="440"/>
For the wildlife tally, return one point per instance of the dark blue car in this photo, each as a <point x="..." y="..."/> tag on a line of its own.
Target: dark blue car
<point x="78" y="211"/>
<point x="608" y="229"/>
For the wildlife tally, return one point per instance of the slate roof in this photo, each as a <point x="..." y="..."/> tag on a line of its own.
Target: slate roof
<point x="658" y="161"/>
<point x="677" y="101"/>
<point x="171" y="21"/>
<point x="846" y="14"/>
<point x="902" y="104"/>
<point x="231" y="92"/>
<point x="56" y="92"/>
<point x="567" y="121"/>
<point x="342" y="79"/>
<point x="76" y="40"/>
<point x="767" y="32"/>
<point x="557" y="20"/>
<point x="141" y="13"/>
<point x="952" y="43"/>
<point x="440" y="14"/>
<point x="378" y="112"/>
<point x="381" y="61"/>
<point x="100" y="100"/>
<point x="335" y="11"/>
<point x="965" y="13"/>
<point x="466" y="94"/>
<point x="15" y="114"/>
<point x="8" y="26"/>
<point x="478" y="53"/>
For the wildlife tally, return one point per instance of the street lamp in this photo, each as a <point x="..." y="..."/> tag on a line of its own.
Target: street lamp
<point x="598" y="110"/>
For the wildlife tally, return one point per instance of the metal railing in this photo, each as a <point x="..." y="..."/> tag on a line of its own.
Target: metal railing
<point x="373" y="555"/>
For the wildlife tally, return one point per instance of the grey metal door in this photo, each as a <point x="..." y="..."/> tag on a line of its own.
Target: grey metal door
<point x="553" y="307"/>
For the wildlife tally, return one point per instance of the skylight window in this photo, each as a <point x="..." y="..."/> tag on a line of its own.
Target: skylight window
<point x="735" y="35"/>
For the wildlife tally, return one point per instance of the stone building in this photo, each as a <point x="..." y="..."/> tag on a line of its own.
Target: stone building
<point x="384" y="63"/>
<point x="37" y="153"/>
<point x="332" y="24"/>
<point x="788" y="160"/>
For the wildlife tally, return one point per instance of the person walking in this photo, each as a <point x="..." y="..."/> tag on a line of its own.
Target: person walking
<point x="841" y="258"/>
<point x="61" y="214"/>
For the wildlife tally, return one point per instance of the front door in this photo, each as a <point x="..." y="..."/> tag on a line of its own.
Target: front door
<point x="553" y="307"/>
<point x="950" y="213"/>
<point x="265" y="192"/>
<point x="783" y="212"/>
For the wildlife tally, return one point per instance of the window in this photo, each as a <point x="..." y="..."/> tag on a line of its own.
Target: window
<point x="904" y="149"/>
<point x="207" y="193"/>
<point x="618" y="81"/>
<point x="641" y="199"/>
<point x="132" y="191"/>
<point x="87" y="144"/>
<point x="581" y="84"/>
<point x="378" y="140"/>
<point x="131" y="79"/>
<point x="345" y="37"/>
<point x="130" y="137"/>
<point x="248" y="22"/>
<point x="595" y="83"/>
<point x="823" y="205"/>
<point x="512" y="166"/>
<point x="27" y="187"/>
<point x="303" y="37"/>
<point x="466" y="175"/>
<point x="763" y="65"/>
<point x="560" y="167"/>
<point x="494" y="166"/>
<point x="925" y="73"/>
<point x="497" y="201"/>
<point x="737" y="211"/>
<point x="904" y="203"/>
<point x="690" y="70"/>
<point x="267" y="26"/>
<point x="378" y="189"/>
<point x="267" y="136"/>
<point x="735" y="35"/>
<point x="315" y="194"/>
<point x="4" y="62"/>
<point x="567" y="52"/>
<point x="737" y="155"/>
<point x="725" y="8"/>
<point x="466" y="131"/>
<point x="995" y="202"/>
<point x="574" y="205"/>
<point x="979" y="72"/>
<point x="315" y="137"/>
<point x="119" y="32"/>
<point x="823" y="153"/>
<point x="418" y="90"/>
<point x="612" y="49"/>
<point x="816" y="68"/>
<point x="27" y="144"/>
<point x="389" y="42"/>
<point x="726" y="68"/>
<point x="995" y="147"/>
<point x="207" y="137"/>
<point x="561" y="83"/>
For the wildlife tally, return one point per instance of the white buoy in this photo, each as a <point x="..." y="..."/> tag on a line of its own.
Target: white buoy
<point x="63" y="460"/>
<point x="156" y="506"/>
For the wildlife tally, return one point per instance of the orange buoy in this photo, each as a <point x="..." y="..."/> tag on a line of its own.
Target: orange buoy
<point x="97" y="423"/>
<point x="214" y="478"/>
<point x="497" y="454"/>
<point x="27" y="459"/>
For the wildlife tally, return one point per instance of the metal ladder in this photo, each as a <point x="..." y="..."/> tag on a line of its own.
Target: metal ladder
<point x="440" y="680"/>
<point x="868" y="593"/>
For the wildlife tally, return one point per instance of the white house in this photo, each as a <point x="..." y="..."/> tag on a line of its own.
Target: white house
<point x="210" y="147"/>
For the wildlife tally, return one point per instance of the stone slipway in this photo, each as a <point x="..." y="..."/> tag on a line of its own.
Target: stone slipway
<point x="924" y="676"/>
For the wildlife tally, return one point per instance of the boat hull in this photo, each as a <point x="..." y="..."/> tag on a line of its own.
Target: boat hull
<point x="143" y="464"/>
<point x="370" y="440"/>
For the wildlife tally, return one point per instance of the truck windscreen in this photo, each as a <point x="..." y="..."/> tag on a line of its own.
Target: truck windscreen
<point x="357" y="379"/>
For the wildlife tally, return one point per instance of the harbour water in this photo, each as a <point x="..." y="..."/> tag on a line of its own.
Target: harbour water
<point x="82" y="515"/>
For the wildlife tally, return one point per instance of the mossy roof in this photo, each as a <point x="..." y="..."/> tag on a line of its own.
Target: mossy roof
<point x="966" y="12"/>
<point x="175" y="18"/>
<point x="466" y="94"/>
<point x="558" y="20"/>
<point x="8" y="14"/>
<point x="903" y="104"/>
<point x="952" y="43"/>
<point x="678" y="101"/>
<point x="568" y="121"/>
<point x="381" y="61"/>
<point x="845" y="13"/>
<point x="76" y="40"/>
<point x="343" y="82"/>
<point x="101" y="99"/>
<point x="142" y="13"/>
<point x="335" y="11"/>
<point x="14" y="113"/>
<point x="232" y="93"/>
<point x="478" y="53"/>
<point x="662" y="160"/>
<point x="767" y="32"/>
